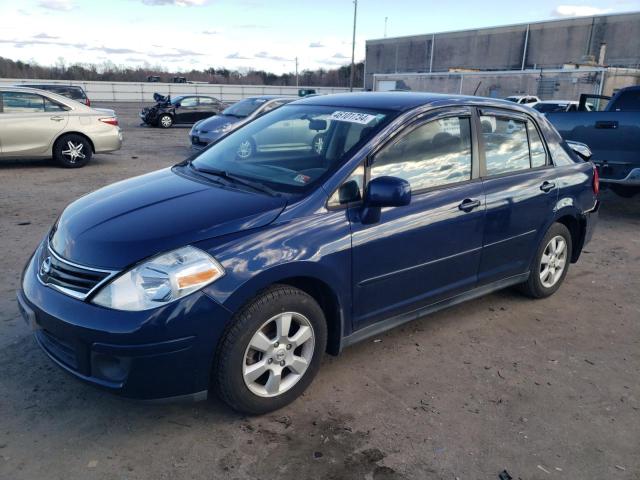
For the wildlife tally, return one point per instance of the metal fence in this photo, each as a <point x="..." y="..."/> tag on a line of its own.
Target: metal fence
<point x="143" y="91"/>
<point x="546" y="84"/>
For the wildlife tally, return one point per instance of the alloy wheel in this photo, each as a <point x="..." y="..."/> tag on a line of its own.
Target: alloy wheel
<point x="278" y="354"/>
<point x="74" y="151"/>
<point x="553" y="262"/>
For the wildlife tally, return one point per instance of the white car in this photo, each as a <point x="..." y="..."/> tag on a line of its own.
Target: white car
<point x="41" y="124"/>
<point x="523" y="99"/>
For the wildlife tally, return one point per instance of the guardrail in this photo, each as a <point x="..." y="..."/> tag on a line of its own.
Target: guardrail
<point x="143" y="91"/>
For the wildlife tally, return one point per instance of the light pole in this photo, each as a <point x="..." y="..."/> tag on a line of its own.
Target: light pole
<point x="297" y="83"/>
<point x="353" y="45"/>
<point x="386" y="19"/>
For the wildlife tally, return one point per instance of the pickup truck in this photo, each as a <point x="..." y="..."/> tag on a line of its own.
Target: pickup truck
<point x="612" y="132"/>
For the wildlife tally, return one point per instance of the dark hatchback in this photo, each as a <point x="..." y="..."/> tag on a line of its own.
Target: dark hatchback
<point x="234" y="275"/>
<point x="184" y="109"/>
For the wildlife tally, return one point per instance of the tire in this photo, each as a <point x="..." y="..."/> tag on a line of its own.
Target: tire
<point x="165" y="121"/>
<point x="625" y="191"/>
<point x="72" y="151"/>
<point x="539" y="284"/>
<point x="237" y="362"/>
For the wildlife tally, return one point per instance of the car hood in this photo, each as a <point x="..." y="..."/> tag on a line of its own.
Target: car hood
<point x="128" y="221"/>
<point x="216" y="122"/>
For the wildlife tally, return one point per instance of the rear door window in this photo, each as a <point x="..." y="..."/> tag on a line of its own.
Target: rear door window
<point x="538" y="153"/>
<point x="50" y="106"/>
<point x="505" y="144"/>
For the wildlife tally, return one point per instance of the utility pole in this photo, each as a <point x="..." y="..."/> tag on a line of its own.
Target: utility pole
<point x="386" y="19"/>
<point x="297" y="83"/>
<point x="353" y="46"/>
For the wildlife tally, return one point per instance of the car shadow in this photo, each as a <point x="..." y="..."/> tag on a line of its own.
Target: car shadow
<point x="615" y="207"/>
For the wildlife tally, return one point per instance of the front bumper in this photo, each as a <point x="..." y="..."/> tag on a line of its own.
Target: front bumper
<point x="200" y="141"/>
<point x="148" y="116"/>
<point x="155" y="354"/>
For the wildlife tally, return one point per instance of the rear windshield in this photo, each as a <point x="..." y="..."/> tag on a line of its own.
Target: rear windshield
<point x="244" y="108"/>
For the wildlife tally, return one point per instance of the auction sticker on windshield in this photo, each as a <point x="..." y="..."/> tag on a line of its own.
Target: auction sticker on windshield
<point x="353" y="117"/>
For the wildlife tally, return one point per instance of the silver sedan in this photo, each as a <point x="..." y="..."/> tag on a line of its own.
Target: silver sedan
<point x="39" y="124"/>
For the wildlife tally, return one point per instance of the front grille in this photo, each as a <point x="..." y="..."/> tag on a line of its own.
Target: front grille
<point x="72" y="279"/>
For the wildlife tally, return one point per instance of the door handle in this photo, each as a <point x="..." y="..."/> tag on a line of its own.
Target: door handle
<point x="547" y="186"/>
<point x="607" y="124"/>
<point x="57" y="118"/>
<point x="467" y="205"/>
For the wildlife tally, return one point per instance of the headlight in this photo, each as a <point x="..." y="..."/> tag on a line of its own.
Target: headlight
<point x="224" y="128"/>
<point x="160" y="280"/>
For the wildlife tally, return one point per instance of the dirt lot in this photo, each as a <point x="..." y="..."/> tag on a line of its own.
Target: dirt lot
<point x="543" y="389"/>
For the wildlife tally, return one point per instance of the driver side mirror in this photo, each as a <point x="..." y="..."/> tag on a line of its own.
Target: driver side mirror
<point x="583" y="151"/>
<point x="387" y="192"/>
<point x="384" y="192"/>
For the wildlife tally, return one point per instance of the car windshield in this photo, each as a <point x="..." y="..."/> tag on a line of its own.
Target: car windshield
<point x="291" y="148"/>
<point x="513" y="99"/>
<point x="551" y="107"/>
<point x="176" y="100"/>
<point x="244" y="108"/>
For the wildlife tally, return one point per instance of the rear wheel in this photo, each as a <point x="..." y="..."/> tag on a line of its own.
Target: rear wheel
<point x="271" y="351"/>
<point x="72" y="151"/>
<point x="551" y="263"/>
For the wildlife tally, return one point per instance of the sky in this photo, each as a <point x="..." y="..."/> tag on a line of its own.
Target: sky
<point x="179" y="35"/>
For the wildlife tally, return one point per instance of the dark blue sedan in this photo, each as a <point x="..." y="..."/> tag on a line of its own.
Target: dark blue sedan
<point x="233" y="273"/>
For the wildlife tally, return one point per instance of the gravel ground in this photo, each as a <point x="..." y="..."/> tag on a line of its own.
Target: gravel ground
<point x="543" y="389"/>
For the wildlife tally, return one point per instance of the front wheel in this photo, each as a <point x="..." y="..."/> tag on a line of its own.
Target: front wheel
<point x="271" y="352"/>
<point x="551" y="263"/>
<point x="165" y="121"/>
<point x="72" y="151"/>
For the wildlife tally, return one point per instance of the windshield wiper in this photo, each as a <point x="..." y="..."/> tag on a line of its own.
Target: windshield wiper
<point x="235" y="179"/>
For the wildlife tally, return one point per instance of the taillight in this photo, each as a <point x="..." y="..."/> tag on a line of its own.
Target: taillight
<point x="596" y="181"/>
<point x="110" y="120"/>
<point x="87" y="102"/>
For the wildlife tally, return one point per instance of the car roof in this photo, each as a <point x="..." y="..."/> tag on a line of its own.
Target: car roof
<point x="403" y="101"/>
<point x="558" y="101"/>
